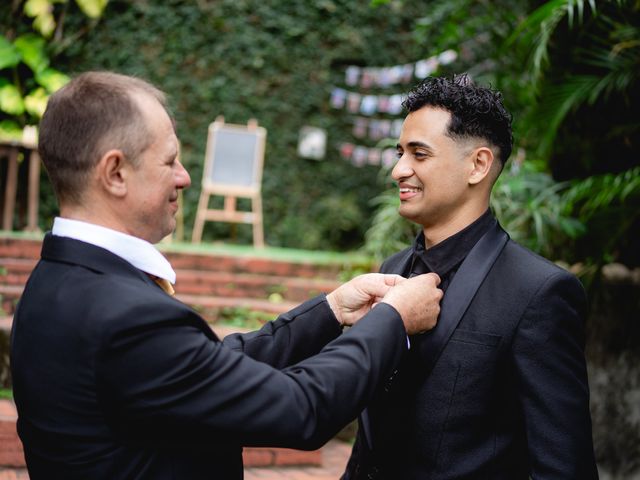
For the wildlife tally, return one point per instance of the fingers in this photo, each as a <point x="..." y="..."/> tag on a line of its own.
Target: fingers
<point x="417" y="298"/>
<point x="435" y="276"/>
<point x="392" y="280"/>
<point x="375" y="284"/>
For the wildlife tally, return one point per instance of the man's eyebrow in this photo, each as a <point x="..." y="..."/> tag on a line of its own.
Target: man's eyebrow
<point x="416" y="144"/>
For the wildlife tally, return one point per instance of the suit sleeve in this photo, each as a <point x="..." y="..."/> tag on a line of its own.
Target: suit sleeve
<point x="292" y="337"/>
<point x="552" y="381"/>
<point x="165" y="382"/>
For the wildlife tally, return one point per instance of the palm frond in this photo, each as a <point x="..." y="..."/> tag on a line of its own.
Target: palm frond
<point x="538" y="28"/>
<point x="558" y="101"/>
<point x="529" y="206"/>
<point x="599" y="192"/>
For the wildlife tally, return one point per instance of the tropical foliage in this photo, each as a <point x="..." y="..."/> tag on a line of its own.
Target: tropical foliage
<point x="27" y="76"/>
<point x="575" y="195"/>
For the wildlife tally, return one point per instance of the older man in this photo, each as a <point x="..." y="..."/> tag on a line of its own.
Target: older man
<point x="113" y="377"/>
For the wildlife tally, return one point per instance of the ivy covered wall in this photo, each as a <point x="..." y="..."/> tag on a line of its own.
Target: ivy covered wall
<point x="276" y="61"/>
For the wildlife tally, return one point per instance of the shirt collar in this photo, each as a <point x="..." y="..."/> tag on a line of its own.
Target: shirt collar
<point x="448" y="254"/>
<point x="138" y="252"/>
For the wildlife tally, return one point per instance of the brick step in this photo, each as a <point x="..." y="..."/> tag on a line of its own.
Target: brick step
<point x="207" y="305"/>
<point x="27" y="249"/>
<point x="12" y="452"/>
<point x="251" y="264"/>
<point x="20" y="248"/>
<point x="9" y="296"/>
<point x="249" y="285"/>
<point x="15" y="272"/>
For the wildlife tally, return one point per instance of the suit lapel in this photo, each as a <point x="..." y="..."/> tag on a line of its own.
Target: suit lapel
<point x="461" y="291"/>
<point x="400" y="263"/>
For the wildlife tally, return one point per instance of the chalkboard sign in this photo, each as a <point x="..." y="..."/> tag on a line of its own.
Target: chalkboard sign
<point x="235" y="156"/>
<point x="233" y="168"/>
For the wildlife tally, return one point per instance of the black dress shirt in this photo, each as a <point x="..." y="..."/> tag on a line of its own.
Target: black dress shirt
<point x="446" y="257"/>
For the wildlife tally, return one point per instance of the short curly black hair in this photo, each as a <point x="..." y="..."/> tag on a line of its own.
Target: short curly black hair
<point x="476" y="111"/>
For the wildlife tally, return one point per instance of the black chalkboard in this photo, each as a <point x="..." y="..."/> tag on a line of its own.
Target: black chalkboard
<point x="235" y="155"/>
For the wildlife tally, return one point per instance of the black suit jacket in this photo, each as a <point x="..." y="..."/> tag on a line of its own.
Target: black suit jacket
<point x="498" y="390"/>
<point x="115" y="379"/>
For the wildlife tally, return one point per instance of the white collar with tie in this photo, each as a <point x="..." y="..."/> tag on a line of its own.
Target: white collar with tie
<point x="138" y="252"/>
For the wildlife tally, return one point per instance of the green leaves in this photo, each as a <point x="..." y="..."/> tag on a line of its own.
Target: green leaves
<point x="599" y="192"/>
<point x="32" y="52"/>
<point x="9" y="54"/>
<point x="29" y="49"/>
<point x="11" y="100"/>
<point x="36" y="102"/>
<point x="92" y="8"/>
<point x="42" y="13"/>
<point x="530" y="206"/>
<point x="10" y="129"/>
<point x="51" y="79"/>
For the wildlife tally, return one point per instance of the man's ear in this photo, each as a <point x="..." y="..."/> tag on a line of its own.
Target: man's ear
<point x="112" y="173"/>
<point x="483" y="160"/>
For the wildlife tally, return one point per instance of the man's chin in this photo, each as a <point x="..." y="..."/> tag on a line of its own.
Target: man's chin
<point x="165" y="235"/>
<point x="407" y="214"/>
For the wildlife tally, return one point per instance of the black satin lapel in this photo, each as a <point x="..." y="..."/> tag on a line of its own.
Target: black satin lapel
<point x="400" y="266"/>
<point x="460" y="292"/>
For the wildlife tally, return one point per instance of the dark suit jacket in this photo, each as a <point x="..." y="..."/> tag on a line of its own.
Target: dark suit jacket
<point x="498" y="390"/>
<point x="115" y="379"/>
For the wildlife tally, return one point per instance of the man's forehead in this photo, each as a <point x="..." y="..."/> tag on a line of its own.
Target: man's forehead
<point x="425" y="126"/>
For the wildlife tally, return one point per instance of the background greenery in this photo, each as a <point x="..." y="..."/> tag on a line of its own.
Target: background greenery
<point x="568" y="70"/>
<point x="275" y="61"/>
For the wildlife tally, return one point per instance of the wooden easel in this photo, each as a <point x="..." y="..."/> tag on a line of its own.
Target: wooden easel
<point x="233" y="169"/>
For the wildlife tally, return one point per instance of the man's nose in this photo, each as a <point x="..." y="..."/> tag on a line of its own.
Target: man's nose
<point x="183" y="179"/>
<point x="401" y="169"/>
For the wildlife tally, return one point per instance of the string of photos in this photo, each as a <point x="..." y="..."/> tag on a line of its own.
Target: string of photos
<point x="364" y="106"/>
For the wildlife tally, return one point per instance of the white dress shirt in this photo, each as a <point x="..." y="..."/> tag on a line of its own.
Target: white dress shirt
<point x="138" y="252"/>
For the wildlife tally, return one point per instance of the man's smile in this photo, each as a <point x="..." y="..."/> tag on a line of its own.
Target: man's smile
<point x="408" y="191"/>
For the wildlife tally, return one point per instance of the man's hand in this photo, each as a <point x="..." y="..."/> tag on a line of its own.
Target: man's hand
<point x="418" y="302"/>
<point x="354" y="299"/>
